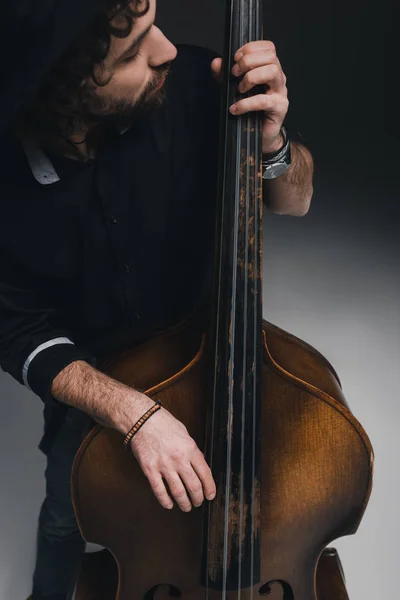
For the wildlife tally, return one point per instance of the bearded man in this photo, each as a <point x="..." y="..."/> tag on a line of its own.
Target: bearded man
<point x="108" y="186"/>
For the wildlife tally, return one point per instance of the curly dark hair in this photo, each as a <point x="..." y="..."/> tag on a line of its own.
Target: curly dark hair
<point x="60" y="102"/>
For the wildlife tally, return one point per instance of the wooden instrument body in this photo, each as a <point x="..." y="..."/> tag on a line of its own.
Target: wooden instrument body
<point x="98" y="577"/>
<point x="316" y="470"/>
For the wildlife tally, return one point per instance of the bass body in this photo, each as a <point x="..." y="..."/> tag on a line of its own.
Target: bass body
<point x="316" y="465"/>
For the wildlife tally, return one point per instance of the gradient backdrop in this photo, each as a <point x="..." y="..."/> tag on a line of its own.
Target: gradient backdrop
<point x="330" y="278"/>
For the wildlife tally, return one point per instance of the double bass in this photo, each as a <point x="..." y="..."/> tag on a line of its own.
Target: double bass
<point x="292" y="465"/>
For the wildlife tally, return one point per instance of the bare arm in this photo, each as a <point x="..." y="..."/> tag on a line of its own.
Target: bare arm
<point x="106" y="400"/>
<point x="291" y="192"/>
<point x="163" y="447"/>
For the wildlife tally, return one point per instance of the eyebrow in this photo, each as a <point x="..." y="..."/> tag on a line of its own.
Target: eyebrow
<point x="134" y="43"/>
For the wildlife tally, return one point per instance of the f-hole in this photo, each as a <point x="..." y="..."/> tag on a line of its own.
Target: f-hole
<point x="173" y="592"/>
<point x="271" y="588"/>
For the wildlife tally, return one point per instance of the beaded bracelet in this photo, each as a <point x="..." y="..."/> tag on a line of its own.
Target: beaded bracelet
<point x="141" y="422"/>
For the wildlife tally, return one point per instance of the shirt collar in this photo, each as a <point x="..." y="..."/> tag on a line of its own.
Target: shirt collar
<point x="40" y="164"/>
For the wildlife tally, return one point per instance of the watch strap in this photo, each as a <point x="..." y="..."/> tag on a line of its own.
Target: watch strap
<point x="271" y="158"/>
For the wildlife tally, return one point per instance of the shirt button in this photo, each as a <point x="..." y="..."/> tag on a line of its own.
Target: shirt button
<point x="127" y="268"/>
<point x="113" y="219"/>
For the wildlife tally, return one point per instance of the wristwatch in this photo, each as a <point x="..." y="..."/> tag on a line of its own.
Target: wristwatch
<point x="279" y="162"/>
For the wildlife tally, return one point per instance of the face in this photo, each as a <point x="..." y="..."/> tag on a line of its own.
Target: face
<point x="136" y="68"/>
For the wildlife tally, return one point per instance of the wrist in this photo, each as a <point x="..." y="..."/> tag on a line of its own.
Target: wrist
<point x="130" y="409"/>
<point x="271" y="149"/>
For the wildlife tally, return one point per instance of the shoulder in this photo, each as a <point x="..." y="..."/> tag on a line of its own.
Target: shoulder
<point x="192" y="85"/>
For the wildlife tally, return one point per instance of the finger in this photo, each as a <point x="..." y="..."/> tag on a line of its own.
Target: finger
<point x="204" y="473"/>
<point x="270" y="75"/>
<point x="178" y="491"/>
<point x="251" y="47"/>
<point x="274" y="104"/>
<point x="255" y="60"/>
<point x="160" y="491"/>
<point x="193" y="485"/>
<point x="216" y="69"/>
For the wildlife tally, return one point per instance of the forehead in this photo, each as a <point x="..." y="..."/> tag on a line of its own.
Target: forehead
<point x="119" y="45"/>
<point x="139" y="23"/>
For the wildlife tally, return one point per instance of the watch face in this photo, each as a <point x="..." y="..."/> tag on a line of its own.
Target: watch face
<point x="275" y="170"/>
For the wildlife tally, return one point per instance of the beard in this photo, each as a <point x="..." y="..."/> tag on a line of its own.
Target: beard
<point x="110" y="110"/>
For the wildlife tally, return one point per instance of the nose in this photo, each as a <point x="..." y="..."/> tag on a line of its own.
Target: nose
<point x="163" y="51"/>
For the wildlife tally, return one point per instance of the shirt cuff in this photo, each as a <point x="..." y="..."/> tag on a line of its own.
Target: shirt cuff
<point x="47" y="361"/>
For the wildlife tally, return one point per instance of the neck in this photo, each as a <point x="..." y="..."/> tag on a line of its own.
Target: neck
<point x="81" y="144"/>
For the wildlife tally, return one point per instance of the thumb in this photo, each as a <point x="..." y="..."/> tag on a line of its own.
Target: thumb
<point x="216" y="69"/>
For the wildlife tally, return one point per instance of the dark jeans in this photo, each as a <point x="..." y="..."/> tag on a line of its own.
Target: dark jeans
<point x="60" y="546"/>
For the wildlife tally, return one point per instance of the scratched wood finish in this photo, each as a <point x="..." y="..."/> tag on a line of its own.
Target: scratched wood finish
<point x="232" y="542"/>
<point x="317" y="472"/>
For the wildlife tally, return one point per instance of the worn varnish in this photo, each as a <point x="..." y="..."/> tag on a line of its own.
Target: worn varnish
<point x="311" y="436"/>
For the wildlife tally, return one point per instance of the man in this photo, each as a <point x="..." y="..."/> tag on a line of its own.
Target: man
<point x="108" y="189"/>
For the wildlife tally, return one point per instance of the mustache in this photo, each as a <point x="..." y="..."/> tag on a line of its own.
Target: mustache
<point x="162" y="73"/>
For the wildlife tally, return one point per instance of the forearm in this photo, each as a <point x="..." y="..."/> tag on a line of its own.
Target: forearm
<point x="291" y="192"/>
<point x="106" y="400"/>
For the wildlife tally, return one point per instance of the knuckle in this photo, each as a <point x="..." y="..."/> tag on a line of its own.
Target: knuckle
<point x="195" y="487"/>
<point x="266" y="101"/>
<point x="180" y="495"/>
<point x="157" y="486"/>
<point x="271" y="46"/>
<point x="209" y="476"/>
<point x="149" y="469"/>
<point x="183" y="427"/>
<point x="275" y="70"/>
<point x="201" y="463"/>
<point x="283" y="105"/>
<point x="249" y="78"/>
<point x="176" y="455"/>
<point x="164" y="464"/>
<point x="203" y="468"/>
<point x="176" y="488"/>
<point x="193" y="446"/>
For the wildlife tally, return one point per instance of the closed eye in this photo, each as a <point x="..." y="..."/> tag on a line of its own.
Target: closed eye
<point x="134" y="56"/>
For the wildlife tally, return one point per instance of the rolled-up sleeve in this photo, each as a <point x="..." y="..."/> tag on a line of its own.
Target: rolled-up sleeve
<point x="32" y="349"/>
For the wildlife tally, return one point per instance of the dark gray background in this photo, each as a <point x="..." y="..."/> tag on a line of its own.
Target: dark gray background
<point x="331" y="277"/>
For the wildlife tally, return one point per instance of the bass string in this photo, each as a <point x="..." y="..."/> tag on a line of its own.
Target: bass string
<point x="253" y="15"/>
<point x="244" y="336"/>
<point x="251" y="141"/>
<point x="254" y="10"/>
<point x="252" y="136"/>
<point x="219" y="291"/>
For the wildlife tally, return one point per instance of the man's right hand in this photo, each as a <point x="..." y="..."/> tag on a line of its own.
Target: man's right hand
<point x="163" y="447"/>
<point x="167" y="454"/>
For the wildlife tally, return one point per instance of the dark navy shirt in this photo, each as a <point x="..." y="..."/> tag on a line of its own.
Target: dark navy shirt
<point x="92" y="254"/>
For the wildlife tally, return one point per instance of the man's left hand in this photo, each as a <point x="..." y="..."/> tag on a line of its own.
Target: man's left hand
<point x="257" y="63"/>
